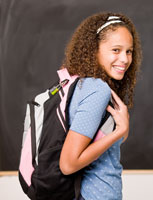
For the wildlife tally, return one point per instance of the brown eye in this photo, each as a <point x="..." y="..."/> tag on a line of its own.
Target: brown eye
<point x="116" y="50"/>
<point x="129" y="51"/>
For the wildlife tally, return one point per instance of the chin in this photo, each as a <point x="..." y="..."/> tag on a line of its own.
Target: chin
<point x="118" y="78"/>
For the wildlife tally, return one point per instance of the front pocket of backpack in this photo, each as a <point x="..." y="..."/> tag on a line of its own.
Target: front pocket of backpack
<point x="47" y="176"/>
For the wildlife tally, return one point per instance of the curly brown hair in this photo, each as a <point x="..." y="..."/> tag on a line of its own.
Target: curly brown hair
<point x="81" y="54"/>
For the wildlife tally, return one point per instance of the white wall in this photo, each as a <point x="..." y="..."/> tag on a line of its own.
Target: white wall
<point x="10" y="189"/>
<point x="137" y="185"/>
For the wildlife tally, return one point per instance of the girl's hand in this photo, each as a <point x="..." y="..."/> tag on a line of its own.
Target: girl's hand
<point x="120" y="115"/>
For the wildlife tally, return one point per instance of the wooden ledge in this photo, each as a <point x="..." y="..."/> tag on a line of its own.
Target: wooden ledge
<point x="127" y="171"/>
<point x="138" y="171"/>
<point x="8" y="173"/>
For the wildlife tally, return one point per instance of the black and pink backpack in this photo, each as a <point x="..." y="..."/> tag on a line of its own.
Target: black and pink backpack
<point x="45" y="129"/>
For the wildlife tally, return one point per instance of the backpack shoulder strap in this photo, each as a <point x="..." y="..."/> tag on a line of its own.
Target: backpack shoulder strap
<point x="68" y="90"/>
<point x="64" y="74"/>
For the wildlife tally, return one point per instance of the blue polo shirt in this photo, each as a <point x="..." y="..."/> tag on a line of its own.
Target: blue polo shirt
<point x="102" y="178"/>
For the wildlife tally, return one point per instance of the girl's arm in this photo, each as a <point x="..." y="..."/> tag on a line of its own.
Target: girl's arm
<point x="77" y="151"/>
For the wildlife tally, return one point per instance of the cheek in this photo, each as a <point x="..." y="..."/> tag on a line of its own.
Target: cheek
<point x="111" y="58"/>
<point x="107" y="59"/>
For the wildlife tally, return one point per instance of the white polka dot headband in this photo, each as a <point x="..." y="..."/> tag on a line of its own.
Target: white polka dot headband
<point x="110" y="20"/>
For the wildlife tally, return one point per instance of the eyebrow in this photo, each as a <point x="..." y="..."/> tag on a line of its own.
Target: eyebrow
<point x="121" y="46"/>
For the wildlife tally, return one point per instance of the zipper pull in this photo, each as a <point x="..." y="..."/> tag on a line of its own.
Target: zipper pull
<point x="56" y="88"/>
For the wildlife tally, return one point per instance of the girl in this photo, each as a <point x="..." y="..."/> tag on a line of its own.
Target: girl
<point x="105" y="52"/>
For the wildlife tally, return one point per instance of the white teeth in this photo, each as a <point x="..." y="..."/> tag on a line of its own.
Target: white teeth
<point x="120" y="68"/>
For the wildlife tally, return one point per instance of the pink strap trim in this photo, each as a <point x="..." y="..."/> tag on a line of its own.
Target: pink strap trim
<point x="60" y="119"/>
<point x="63" y="74"/>
<point x="26" y="167"/>
<point x="99" y="135"/>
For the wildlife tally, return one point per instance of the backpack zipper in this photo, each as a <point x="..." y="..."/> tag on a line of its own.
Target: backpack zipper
<point x="56" y="88"/>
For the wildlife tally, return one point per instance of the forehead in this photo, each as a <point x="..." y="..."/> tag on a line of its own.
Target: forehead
<point x="119" y="36"/>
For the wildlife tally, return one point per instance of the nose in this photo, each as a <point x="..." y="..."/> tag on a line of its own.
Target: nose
<point x="124" y="58"/>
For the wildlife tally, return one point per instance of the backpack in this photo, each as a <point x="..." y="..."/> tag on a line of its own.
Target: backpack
<point x="45" y="128"/>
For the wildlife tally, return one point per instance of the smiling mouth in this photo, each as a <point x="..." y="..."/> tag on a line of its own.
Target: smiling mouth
<point x="119" y="69"/>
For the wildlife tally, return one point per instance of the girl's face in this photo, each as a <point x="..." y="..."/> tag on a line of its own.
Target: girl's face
<point x="115" y="52"/>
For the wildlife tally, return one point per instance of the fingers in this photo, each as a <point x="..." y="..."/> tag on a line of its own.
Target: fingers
<point x="116" y="97"/>
<point x="118" y="103"/>
<point x="110" y="110"/>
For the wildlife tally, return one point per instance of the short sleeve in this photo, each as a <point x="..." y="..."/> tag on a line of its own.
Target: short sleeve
<point x="90" y="108"/>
